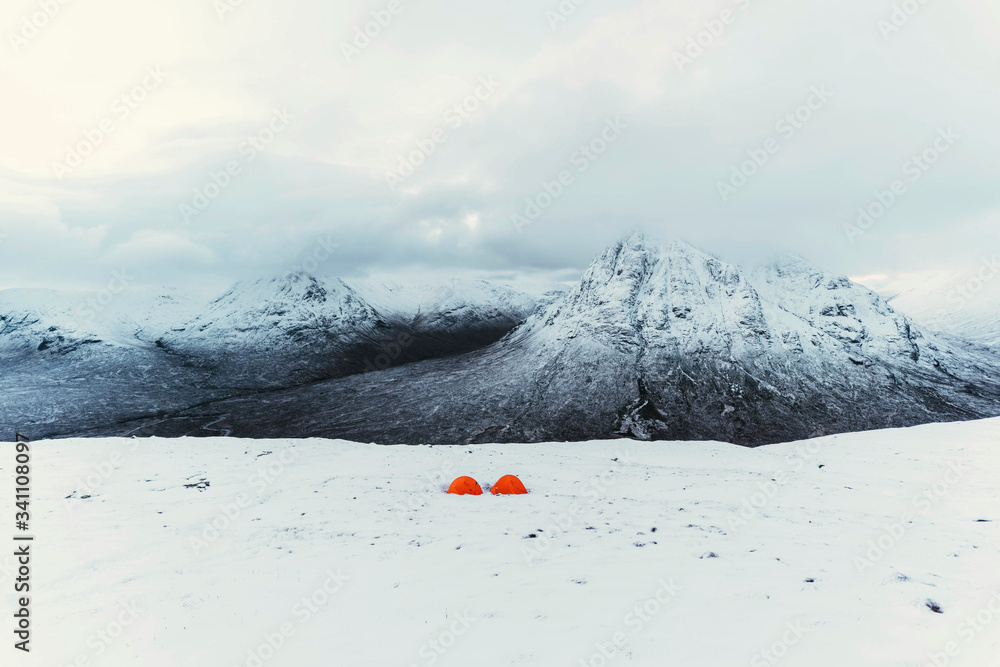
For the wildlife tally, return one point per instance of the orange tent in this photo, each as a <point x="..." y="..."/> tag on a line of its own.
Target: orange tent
<point x="465" y="485"/>
<point x="508" y="484"/>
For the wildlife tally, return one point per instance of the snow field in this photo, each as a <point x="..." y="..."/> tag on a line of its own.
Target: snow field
<point x="226" y="552"/>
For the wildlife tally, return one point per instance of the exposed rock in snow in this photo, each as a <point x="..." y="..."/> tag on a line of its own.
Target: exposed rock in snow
<point x="77" y="360"/>
<point x="73" y="361"/>
<point x="477" y="310"/>
<point x="281" y="331"/>
<point x="663" y="342"/>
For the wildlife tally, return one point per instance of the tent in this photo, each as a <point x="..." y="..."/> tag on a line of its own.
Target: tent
<point x="465" y="485"/>
<point x="508" y="484"/>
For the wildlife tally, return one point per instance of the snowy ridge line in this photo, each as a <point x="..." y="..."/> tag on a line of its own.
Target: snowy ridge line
<point x="656" y="342"/>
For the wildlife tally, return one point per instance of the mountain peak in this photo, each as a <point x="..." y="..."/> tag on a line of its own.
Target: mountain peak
<point x="680" y="245"/>
<point x="297" y="287"/>
<point x="637" y="244"/>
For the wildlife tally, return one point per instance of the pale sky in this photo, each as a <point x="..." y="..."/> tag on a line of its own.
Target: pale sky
<point x="114" y="112"/>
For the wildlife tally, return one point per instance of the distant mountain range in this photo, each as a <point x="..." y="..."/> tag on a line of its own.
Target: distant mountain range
<point x="69" y="367"/>
<point x="957" y="303"/>
<point x="655" y="342"/>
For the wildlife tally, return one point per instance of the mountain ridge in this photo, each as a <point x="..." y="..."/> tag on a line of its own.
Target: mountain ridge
<point x="655" y="342"/>
<point x="665" y="342"/>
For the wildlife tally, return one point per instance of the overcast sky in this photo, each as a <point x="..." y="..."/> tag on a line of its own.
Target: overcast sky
<point x="121" y="117"/>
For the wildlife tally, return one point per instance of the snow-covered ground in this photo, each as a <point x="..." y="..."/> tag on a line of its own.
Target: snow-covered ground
<point x="224" y="552"/>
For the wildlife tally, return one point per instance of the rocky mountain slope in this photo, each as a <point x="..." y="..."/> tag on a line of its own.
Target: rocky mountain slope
<point x="299" y="328"/>
<point x="484" y="309"/>
<point x="658" y="342"/>
<point x="72" y="363"/>
<point x="280" y="331"/>
<point x="77" y="360"/>
<point x="447" y="318"/>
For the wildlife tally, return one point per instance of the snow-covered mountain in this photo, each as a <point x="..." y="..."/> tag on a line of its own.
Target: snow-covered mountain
<point x="655" y="342"/>
<point x="62" y="322"/>
<point x="956" y="303"/>
<point x="664" y="341"/>
<point x="78" y="360"/>
<point x="34" y="320"/>
<point x="75" y="360"/>
<point x="479" y="308"/>
<point x="281" y="331"/>
<point x="783" y="351"/>
<point x="266" y="313"/>
<point x="297" y="328"/>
